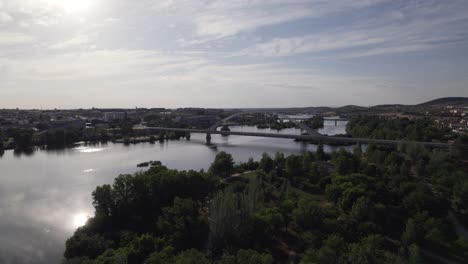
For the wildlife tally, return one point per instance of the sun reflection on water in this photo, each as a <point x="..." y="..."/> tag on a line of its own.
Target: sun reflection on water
<point x="88" y="149"/>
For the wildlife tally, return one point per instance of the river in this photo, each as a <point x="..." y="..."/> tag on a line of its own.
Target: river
<point x="46" y="195"/>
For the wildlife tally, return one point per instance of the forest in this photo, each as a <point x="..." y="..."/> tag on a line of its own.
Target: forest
<point x="420" y="129"/>
<point x="405" y="204"/>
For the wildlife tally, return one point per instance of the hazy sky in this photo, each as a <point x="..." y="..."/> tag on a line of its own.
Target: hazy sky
<point x="230" y="53"/>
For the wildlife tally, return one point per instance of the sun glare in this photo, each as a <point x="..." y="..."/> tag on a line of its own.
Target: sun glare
<point x="72" y="6"/>
<point x="80" y="220"/>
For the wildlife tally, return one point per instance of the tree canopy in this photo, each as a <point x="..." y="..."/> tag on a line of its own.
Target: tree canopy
<point x="382" y="205"/>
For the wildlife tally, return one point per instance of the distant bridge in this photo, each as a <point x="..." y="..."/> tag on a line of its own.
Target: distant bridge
<point x="320" y="138"/>
<point x="301" y="125"/>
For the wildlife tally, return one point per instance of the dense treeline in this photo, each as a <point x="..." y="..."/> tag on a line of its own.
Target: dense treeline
<point x="421" y="129"/>
<point x="315" y="122"/>
<point x="382" y="206"/>
<point x="21" y="138"/>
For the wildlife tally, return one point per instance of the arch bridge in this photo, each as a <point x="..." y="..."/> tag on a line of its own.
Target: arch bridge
<point x="297" y="122"/>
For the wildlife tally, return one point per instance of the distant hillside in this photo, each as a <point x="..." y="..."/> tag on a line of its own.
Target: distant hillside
<point x="447" y="101"/>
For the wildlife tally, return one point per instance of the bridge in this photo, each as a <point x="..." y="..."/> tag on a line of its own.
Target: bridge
<point x="296" y="121"/>
<point x="311" y="135"/>
<point x="319" y="138"/>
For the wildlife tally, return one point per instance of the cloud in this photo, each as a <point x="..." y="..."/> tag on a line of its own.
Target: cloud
<point x="213" y="52"/>
<point x="151" y="78"/>
<point x="76" y="41"/>
<point x="219" y="19"/>
<point x="314" y="43"/>
<point x="5" y="17"/>
<point x="414" y="27"/>
<point x="12" y="38"/>
<point x="91" y="65"/>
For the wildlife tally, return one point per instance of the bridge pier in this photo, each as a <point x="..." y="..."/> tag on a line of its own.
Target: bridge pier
<point x="208" y="139"/>
<point x="336" y="122"/>
<point x="187" y="135"/>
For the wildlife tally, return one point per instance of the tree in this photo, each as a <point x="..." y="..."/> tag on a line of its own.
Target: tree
<point x="414" y="255"/>
<point x="266" y="163"/>
<point x="357" y="151"/>
<point x="2" y="142"/>
<point x="22" y="138"/>
<point x="165" y="256"/>
<point x="368" y="250"/>
<point x="460" y="147"/>
<point x="320" y="152"/>
<point x="294" y="166"/>
<point x="345" y="162"/>
<point x="315" y="122"/>
<point x="223" y="165"/>
<point x="410" y="235"/>
<point x="271" y="218"/>
<point x="191" y="256"/>
<point x="332" y="251"/>
<point x="181" y="225"/>
<point x="460" y="197"/>
<point x="84" y="245"/>
<point x="253" y="257"/>
<point x="102" y="200"/>
<point x="308" y="214"/>
<point x="111" y="256"/>
<point x="140" y="248"/>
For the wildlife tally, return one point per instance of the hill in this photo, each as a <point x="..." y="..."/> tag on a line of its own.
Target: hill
<point x="446" y="101"/>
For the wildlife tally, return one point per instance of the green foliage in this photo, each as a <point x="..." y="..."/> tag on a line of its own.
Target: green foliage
<point x="308" y="214"/>
<point x="266" y="163"/>
<point x="394" y="128"/>
<point x="315" y="122"/>
<point x="84" y="245"/>
<point x="246" y="256"/>
<point x="140" y="248"/>
<point x="223" y="165"/>
<point x="271" y="218"/>
<point x="333" y="250"/>
<point x="22" y="138"/>
<point x="460" y="147"/>
<point x="230" y="219"/>
<point x="460" y="197"/>
<point x="191" y="256"/>
<point x="389" y="206"/>
<point x="165" y="256"/>
<point x="345" y="162"/>
<point x="113" y="256"/>
<point x="181" y="225"/>
<point x="252" y="257"/>
<point x="368" y="250"/>
<point x="320" y="151"/>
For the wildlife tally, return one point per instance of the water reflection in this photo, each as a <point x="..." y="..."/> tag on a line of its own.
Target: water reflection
<point x="26" y="152"/>
<point x="86" y="149"/>
<point x="46" y="196"/>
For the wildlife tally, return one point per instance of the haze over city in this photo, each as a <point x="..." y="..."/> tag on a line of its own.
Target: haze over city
<point x="164" y="53"/>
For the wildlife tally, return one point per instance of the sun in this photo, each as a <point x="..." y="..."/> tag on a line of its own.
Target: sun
<point x="80" y="220"/>
<point x="72" y="6"/>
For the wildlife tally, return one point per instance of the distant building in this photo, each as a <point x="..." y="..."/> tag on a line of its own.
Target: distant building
<point x="114" y="116"/>
<point x="67" y="123"/>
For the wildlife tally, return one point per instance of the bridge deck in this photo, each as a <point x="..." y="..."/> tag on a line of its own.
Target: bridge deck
<point x="302" y="137"/>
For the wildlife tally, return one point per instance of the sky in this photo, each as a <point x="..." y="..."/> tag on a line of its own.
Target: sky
<point x="231" y="53"/>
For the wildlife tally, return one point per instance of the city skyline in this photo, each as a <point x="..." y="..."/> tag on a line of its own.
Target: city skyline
<point x="229" y="54"/>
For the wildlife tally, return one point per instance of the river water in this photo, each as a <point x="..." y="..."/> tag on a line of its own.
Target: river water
<point x="46" y="195"/>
